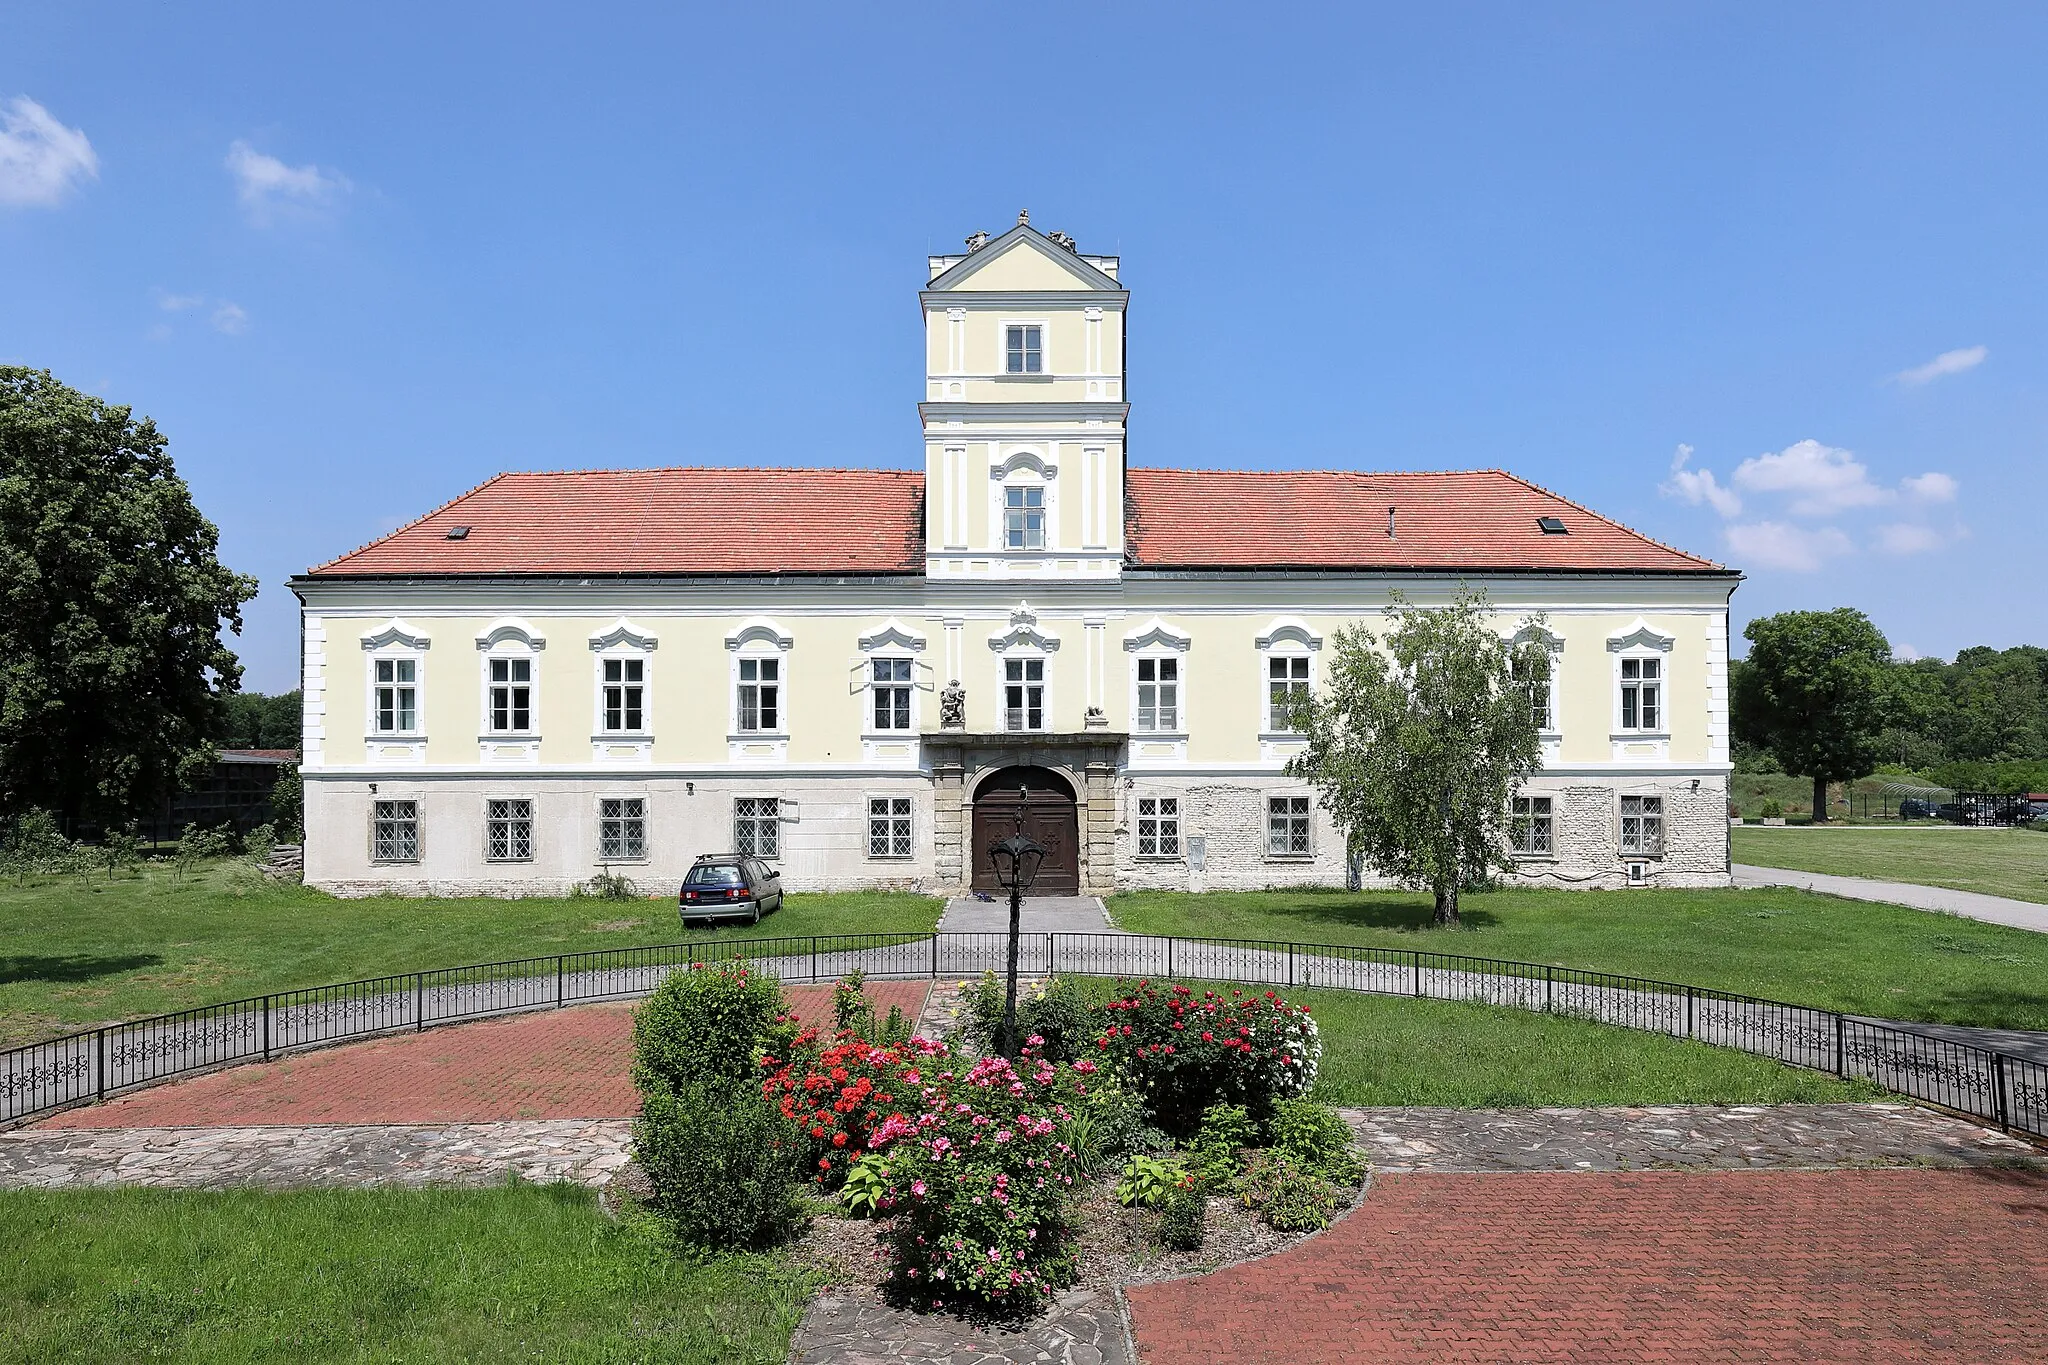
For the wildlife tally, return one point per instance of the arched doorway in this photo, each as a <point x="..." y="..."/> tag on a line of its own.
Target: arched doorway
<point x="1045" y="800"/>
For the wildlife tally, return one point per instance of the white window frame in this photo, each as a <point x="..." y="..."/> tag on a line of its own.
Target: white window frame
<point x="418" y="686"/>
<point x="510" y="657"/>
<point x="1044" y="685"/>
<point x="622" y="644"/>
<point x="1296" y="810"/>
<point x="1017" y="502"/>
<point x="1295" y="660"/>
<point x="871" y="695"/>
<point x="491" y="817"/>
<point x="1648" y="845"/>
<point x="1158" y="659"/>
<point x="377" y="816"/>
<point x="1024" y="467"/>
<point x="1169" y="842"/>
<point x="768" y="821"/>
<point x="1287" y="638"/>
<point x="1641" y="642"/>
<point x="642" y="819"/>
<point x="758" y="640"/>
<point x="1553" y="649"/>
<point x="1622" y="683"/>
<point x="1044" y="327"/>
<point x="1529" y="812"/>
<point x="623" y="658"/>
<point x="900" y="812"/>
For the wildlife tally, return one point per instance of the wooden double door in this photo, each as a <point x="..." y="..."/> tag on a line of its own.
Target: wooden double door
<point x="1045" y="803"/>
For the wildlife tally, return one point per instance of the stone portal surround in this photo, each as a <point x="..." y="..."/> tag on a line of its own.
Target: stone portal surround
<point x="1087" y="759"/>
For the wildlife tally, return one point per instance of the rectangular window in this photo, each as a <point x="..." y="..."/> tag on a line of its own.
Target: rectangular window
<point x="621" y="828"/>
<point x="395" y="832"/>
<point x="1536" y="683"/>
<point x="1642" y="825"/>
<point x="1023" y="694"/>
<point x="757" y="826"/>
<point x="889" y="827"/>
<point x="1529" y="829"/>
<point x="890" y="685"/>
<point x="508" y="831"/>
<point x="1021" y="350"/>
<point x="625" y="695"/>
<point x="1024" y="518"/>
<point x="1641" y="681"/>
<point x="512" y="695"/>
<point x="1159" y="695"/>
<point x="1286" y="687"/>
<point x="397" y="696"/>
<point x="760" y="705"/>
<point x="1159" y="827"/>
<point x="1287" y="826"/>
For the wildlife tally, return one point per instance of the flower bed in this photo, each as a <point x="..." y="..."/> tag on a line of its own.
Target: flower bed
<point x="841" y="1095"/>
<point x="1184" y="1052"/>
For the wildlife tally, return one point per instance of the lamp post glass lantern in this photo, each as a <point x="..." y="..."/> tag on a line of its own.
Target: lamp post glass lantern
<point x="1016" y="862"/>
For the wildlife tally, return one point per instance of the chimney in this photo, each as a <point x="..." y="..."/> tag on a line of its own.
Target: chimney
<point x="1390" y="523"/>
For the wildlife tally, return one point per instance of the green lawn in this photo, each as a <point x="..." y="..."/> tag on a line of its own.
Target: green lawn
<point x="518" y="1274"/>
<point x="1997" y="862"/>
<point x="1786" y="945"/>
<point x="1392" y="1050"/>
<point x="77" y="951"/>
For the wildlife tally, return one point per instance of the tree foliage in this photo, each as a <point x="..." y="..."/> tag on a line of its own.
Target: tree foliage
<point x="112" y="600"/>
<point x="254" y="720"/>
<point x="1813" y="694"/>
<point x="1416" y="745"/>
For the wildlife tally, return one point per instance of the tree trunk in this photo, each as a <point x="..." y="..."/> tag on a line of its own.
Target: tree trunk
<point x="1820" y="800"/>
<point x="1447" y="905"/>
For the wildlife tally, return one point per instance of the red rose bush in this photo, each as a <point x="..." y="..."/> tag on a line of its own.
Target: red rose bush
<point x="1183" y="1052"/>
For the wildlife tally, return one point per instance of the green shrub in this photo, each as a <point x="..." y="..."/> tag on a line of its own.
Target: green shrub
<point x="896" y="1029"/>
<point x="1119" y="1118"/>
<point x="851" y="1012"/>
<point x="703" y="1024"/>
<point x="198" y="845"/>
<point x="1317" y="1136"/>
<point x="607" y="886"/>
<point x="1213" y="1154"/>
<point x="1182" y="1220"/>
<point x="1148" y="1181"/>
<point x="1184" y="1052"/>
<point x="723" y="1164"/>
<point x="258" y="842"/>
<point x="1053" y="1011"/>
<point x="1772" y="810"/>
<point x="867" y="1181"/>
<point x="1287" y="1196"/>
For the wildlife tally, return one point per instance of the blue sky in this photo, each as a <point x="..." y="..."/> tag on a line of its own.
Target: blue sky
<point x="355" y="261"/>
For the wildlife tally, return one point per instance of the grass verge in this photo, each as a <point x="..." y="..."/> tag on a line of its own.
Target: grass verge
<point x="1993" y="862"/>
<point x="78" y="951"/>
<point x="524" y="1273"/>
<point x="1396" y="1051"/>
<point x="1781" y="944"/>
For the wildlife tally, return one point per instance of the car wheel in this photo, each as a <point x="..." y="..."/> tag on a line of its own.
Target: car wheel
<point x="757" y="913"/>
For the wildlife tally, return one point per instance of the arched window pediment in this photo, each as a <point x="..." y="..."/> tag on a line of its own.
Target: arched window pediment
<point x="759" y="631"/>
<point x="1290" y="630"/>
<point x="891" y="634"/>
<point x="1156" y="634"/>
<point x="624" y="634"/>
<point x="1640" y="635"/>
<point x="397" y="632"/>
<point x="1018" y="460"/>
<point x="510" y="630"/>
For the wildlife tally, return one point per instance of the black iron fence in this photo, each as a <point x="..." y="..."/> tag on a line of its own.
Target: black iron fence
<point x="1997" y="1087"/>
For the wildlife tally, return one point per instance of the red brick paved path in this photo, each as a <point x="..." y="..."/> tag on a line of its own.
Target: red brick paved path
<point x="556" y="1064"/>
<point x="1810" y="1266"/>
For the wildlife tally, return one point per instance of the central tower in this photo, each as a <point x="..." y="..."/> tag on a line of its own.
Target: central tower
<point x="1024" y="411"/>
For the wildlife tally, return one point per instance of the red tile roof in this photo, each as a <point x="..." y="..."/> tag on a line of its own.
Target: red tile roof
<point x="664" y="521"/>
<point x="261" y="755"/>
<point x="1483" y="520"/>
<point x="866" y="521"/>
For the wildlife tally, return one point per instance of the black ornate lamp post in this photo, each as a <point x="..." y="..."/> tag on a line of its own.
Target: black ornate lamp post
<point x="1016" y="859"/>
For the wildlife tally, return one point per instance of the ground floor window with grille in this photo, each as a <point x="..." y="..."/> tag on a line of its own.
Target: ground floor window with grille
<point x="1159" y="827"/>
<point x="621" y="828"/>
<point x="757" y="826"/>
<point x="1642" y="825"/>
<point x="1287" y="825"/>
<point x="508" y="831"/>
<point x="1529" y="829"/>
<point x="889" y="827"/>
<point x="395" y="832"/>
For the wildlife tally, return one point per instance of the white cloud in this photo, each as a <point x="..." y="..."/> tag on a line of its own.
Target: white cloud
<point x="40" y="159"/>
<point x="1698" y="486"/>
<point x="1820" y="480"/>
<point x="223" y="315"/>
<point x="1948" y="362"/>
<point x="1905" y="538"/>
<point x="1905" y="653"/>
<point x="178" y="303"/>
<point x="268" y="189"/>
<point x="1930" y="487"/>
<point x="230" y="318"/>
<point x="1779" y="545"/>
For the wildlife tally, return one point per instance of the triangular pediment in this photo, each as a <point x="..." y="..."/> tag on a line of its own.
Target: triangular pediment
<point x="1022" y="260"/>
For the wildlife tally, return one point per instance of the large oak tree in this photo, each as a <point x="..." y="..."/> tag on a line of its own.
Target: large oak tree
<point x="112" y="605"/>
<point x="1814" y="693"/>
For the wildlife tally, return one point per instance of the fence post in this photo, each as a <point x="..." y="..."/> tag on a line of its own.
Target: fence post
<point x="419" y="1002"/>
<point x="1048" y="954"/>
<point x="935" y="955"/>
<point x="266" y="1028"/>
<point x="1290" y="966"/>
<point x="1998" y="1089"/>
<point x="558" y="983"/>
<point x="101" y="1049"/>
<point x="1546" y="988"/>
<point x="1688" y="1013"/>
<point x="1838" y="1044"/>
<point x="1169" y="958"/>
<point x="1416" y="953"/>
<point x="814" y="957"/>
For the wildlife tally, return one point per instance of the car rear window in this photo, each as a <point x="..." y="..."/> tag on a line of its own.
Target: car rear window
<point x="714" y="874"/>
